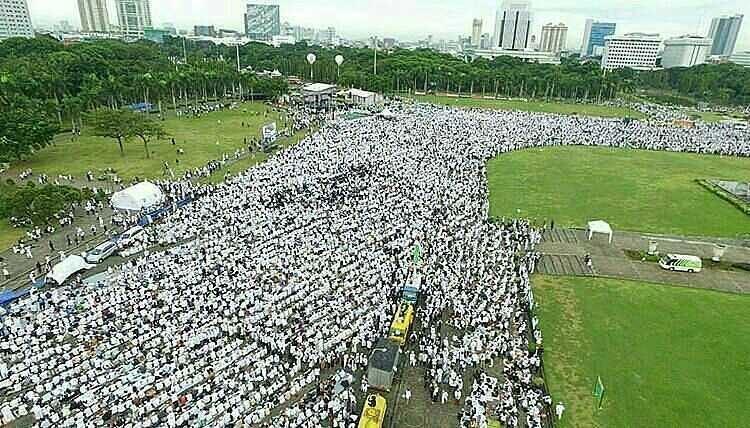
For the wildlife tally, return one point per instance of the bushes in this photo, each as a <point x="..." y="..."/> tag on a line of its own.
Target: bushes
<point x="36" y="205"/>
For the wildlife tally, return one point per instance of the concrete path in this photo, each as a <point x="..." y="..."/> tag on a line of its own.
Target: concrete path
<point x="609" y="260"/>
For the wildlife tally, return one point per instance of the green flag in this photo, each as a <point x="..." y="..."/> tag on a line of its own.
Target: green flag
<point x="416" y="254"/>
<point x="599" y="390"/>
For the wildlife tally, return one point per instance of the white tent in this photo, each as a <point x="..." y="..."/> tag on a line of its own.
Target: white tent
<point x="600" y="226"/>
<point x="63" y="270"/>
<point x="134" y="198"/>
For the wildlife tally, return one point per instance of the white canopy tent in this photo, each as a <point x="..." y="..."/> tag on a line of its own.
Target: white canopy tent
<point x="63" y="270"/>
<point x="600" y="226"/>
<point x="137" y="197"/>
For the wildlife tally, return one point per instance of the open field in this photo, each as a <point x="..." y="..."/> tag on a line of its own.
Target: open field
<point x="668" y="356"/>
<point x="203" y="139"/>
<point x="8" y="235"/>
<point x="533" y="106"/>
<point x="633" y="190"/>
<point x="250" y="161"/>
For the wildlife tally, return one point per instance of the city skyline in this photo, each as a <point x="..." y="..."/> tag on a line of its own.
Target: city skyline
<point x="446" y="19"/>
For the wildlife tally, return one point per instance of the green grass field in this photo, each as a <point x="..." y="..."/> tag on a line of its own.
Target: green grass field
<point x="8" y="235"/>
<point x="668" y="356"/>
<point x="533" y="106"/>
<point x="202" y="139"/>
<point x="252" y="160"/>
<point x="633" y="190"/>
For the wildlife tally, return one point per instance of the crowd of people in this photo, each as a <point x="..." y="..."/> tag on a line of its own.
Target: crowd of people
<point x="293" y="269"/>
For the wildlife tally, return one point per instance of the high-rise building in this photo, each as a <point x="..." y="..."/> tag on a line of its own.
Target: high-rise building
<point x="262" y="21"/>
<point x="485" y="41"/>
<point x="15" y="20"/>
<point x="513" y="25"/>
<point x="593" y="37"/>
<point x="741" y="58"/>
<point x="204" y="30"/>
<point x="554" y="38"/>
<point x="723" y="32"/>
<point x="634" y="50"/>
<point x="685" y="51"/>
<point x="476" y="32"/>
<point x="94" y="15"/>
<point x="329" y="36"/>
<point x="133" y="16"/>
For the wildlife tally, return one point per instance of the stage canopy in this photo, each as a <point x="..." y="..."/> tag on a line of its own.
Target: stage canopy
<point x="600" y="226"/>
<point x="137" y="197"/>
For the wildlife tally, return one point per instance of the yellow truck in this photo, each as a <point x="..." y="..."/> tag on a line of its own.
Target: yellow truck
<point x="401" y="323"/>
<point x="373" y="413"/>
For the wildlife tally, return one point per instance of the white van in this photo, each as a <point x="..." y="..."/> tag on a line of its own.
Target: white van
<point x="681" y="263"/>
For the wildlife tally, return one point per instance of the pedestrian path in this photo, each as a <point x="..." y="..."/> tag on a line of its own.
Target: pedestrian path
<point x="564" y="250"/>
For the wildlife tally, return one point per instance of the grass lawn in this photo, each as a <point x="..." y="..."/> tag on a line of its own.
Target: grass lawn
<point x="250" y="161"/>
<point x="535" y="106"/>
<point x="633" y="190"/>
<point x="668" y="356"/>
<point x="8" y="235"/>
<point x="707" y="116"/>
<point x="202" y="139"/>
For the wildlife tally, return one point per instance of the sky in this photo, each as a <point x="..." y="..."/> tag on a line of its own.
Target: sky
<point x="444" y="19"/>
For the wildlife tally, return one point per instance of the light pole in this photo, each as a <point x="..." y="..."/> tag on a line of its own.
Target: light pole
<point x="375" y="48"/>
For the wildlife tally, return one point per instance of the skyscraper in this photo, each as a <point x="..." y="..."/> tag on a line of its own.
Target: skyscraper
<point x="634" y="50"/>
<point x="94" y="15"/>
<point x="476" y="32"/>
<point x="593" y="37"/>
<point x="685" y="51"/>
<point x="513" y="25"/>
<point x="554" y="38"/>
<point x="15" y="20"/>
<point x="724" y="31"/>
<point x="133" y="16"/>
<point x="262" y="21"/>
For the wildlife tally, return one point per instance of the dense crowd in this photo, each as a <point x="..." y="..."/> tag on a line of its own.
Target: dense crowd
<point x="293" y="269"/>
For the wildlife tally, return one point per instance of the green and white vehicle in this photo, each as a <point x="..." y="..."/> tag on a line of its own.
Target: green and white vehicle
<point x="681" y="263"/>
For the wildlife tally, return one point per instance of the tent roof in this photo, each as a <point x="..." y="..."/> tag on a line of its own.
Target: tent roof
<point x="63" y="270"/>
<point x="318" y="87"/>
<point x="136" y="197"/>
<point x="361" y="93"/>
<point x="600" y="226"/>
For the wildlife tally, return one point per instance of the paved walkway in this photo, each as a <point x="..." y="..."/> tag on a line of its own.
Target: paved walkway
<point x="609" y="260"/>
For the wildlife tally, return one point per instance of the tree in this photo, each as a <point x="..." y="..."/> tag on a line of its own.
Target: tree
<point x="120" y="125"/>
<point x="147" y="128"/>
<point x="25" y="126"/>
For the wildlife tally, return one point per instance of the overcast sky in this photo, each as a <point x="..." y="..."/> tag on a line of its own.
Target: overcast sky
<point x="415" y="19"/>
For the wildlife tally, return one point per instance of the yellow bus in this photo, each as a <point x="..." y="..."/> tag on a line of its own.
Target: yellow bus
<point x="373" y="412"/>
<point x="401" y="323"/>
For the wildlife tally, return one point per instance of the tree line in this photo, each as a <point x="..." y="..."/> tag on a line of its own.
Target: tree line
<point x="47" y="86"/>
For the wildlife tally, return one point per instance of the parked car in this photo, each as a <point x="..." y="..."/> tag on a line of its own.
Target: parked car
<point x="100" y="252"/>
<point x="130" y="236"/>
<point x="681" y="263"/>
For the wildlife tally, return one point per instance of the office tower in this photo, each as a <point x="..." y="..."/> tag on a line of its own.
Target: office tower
<point x="94" y="15"/>
<point x="15" y="20"/>
<point x="485" y="41"/>
<point x="133" y="16"/>
<point x="723" y="32"/>
<point x="204" y="30"/>
<point x="262" y="21"/>
<point x="476" y="32"/>
<point x="513" y="25"/>
<point x="329" y="36"/>
<point x="741" y="58"/>
<point x="593" y="37"/>
<point x="634" y="50"/>
<point x="685" y="51"/>
<point x="554" y="38"/>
